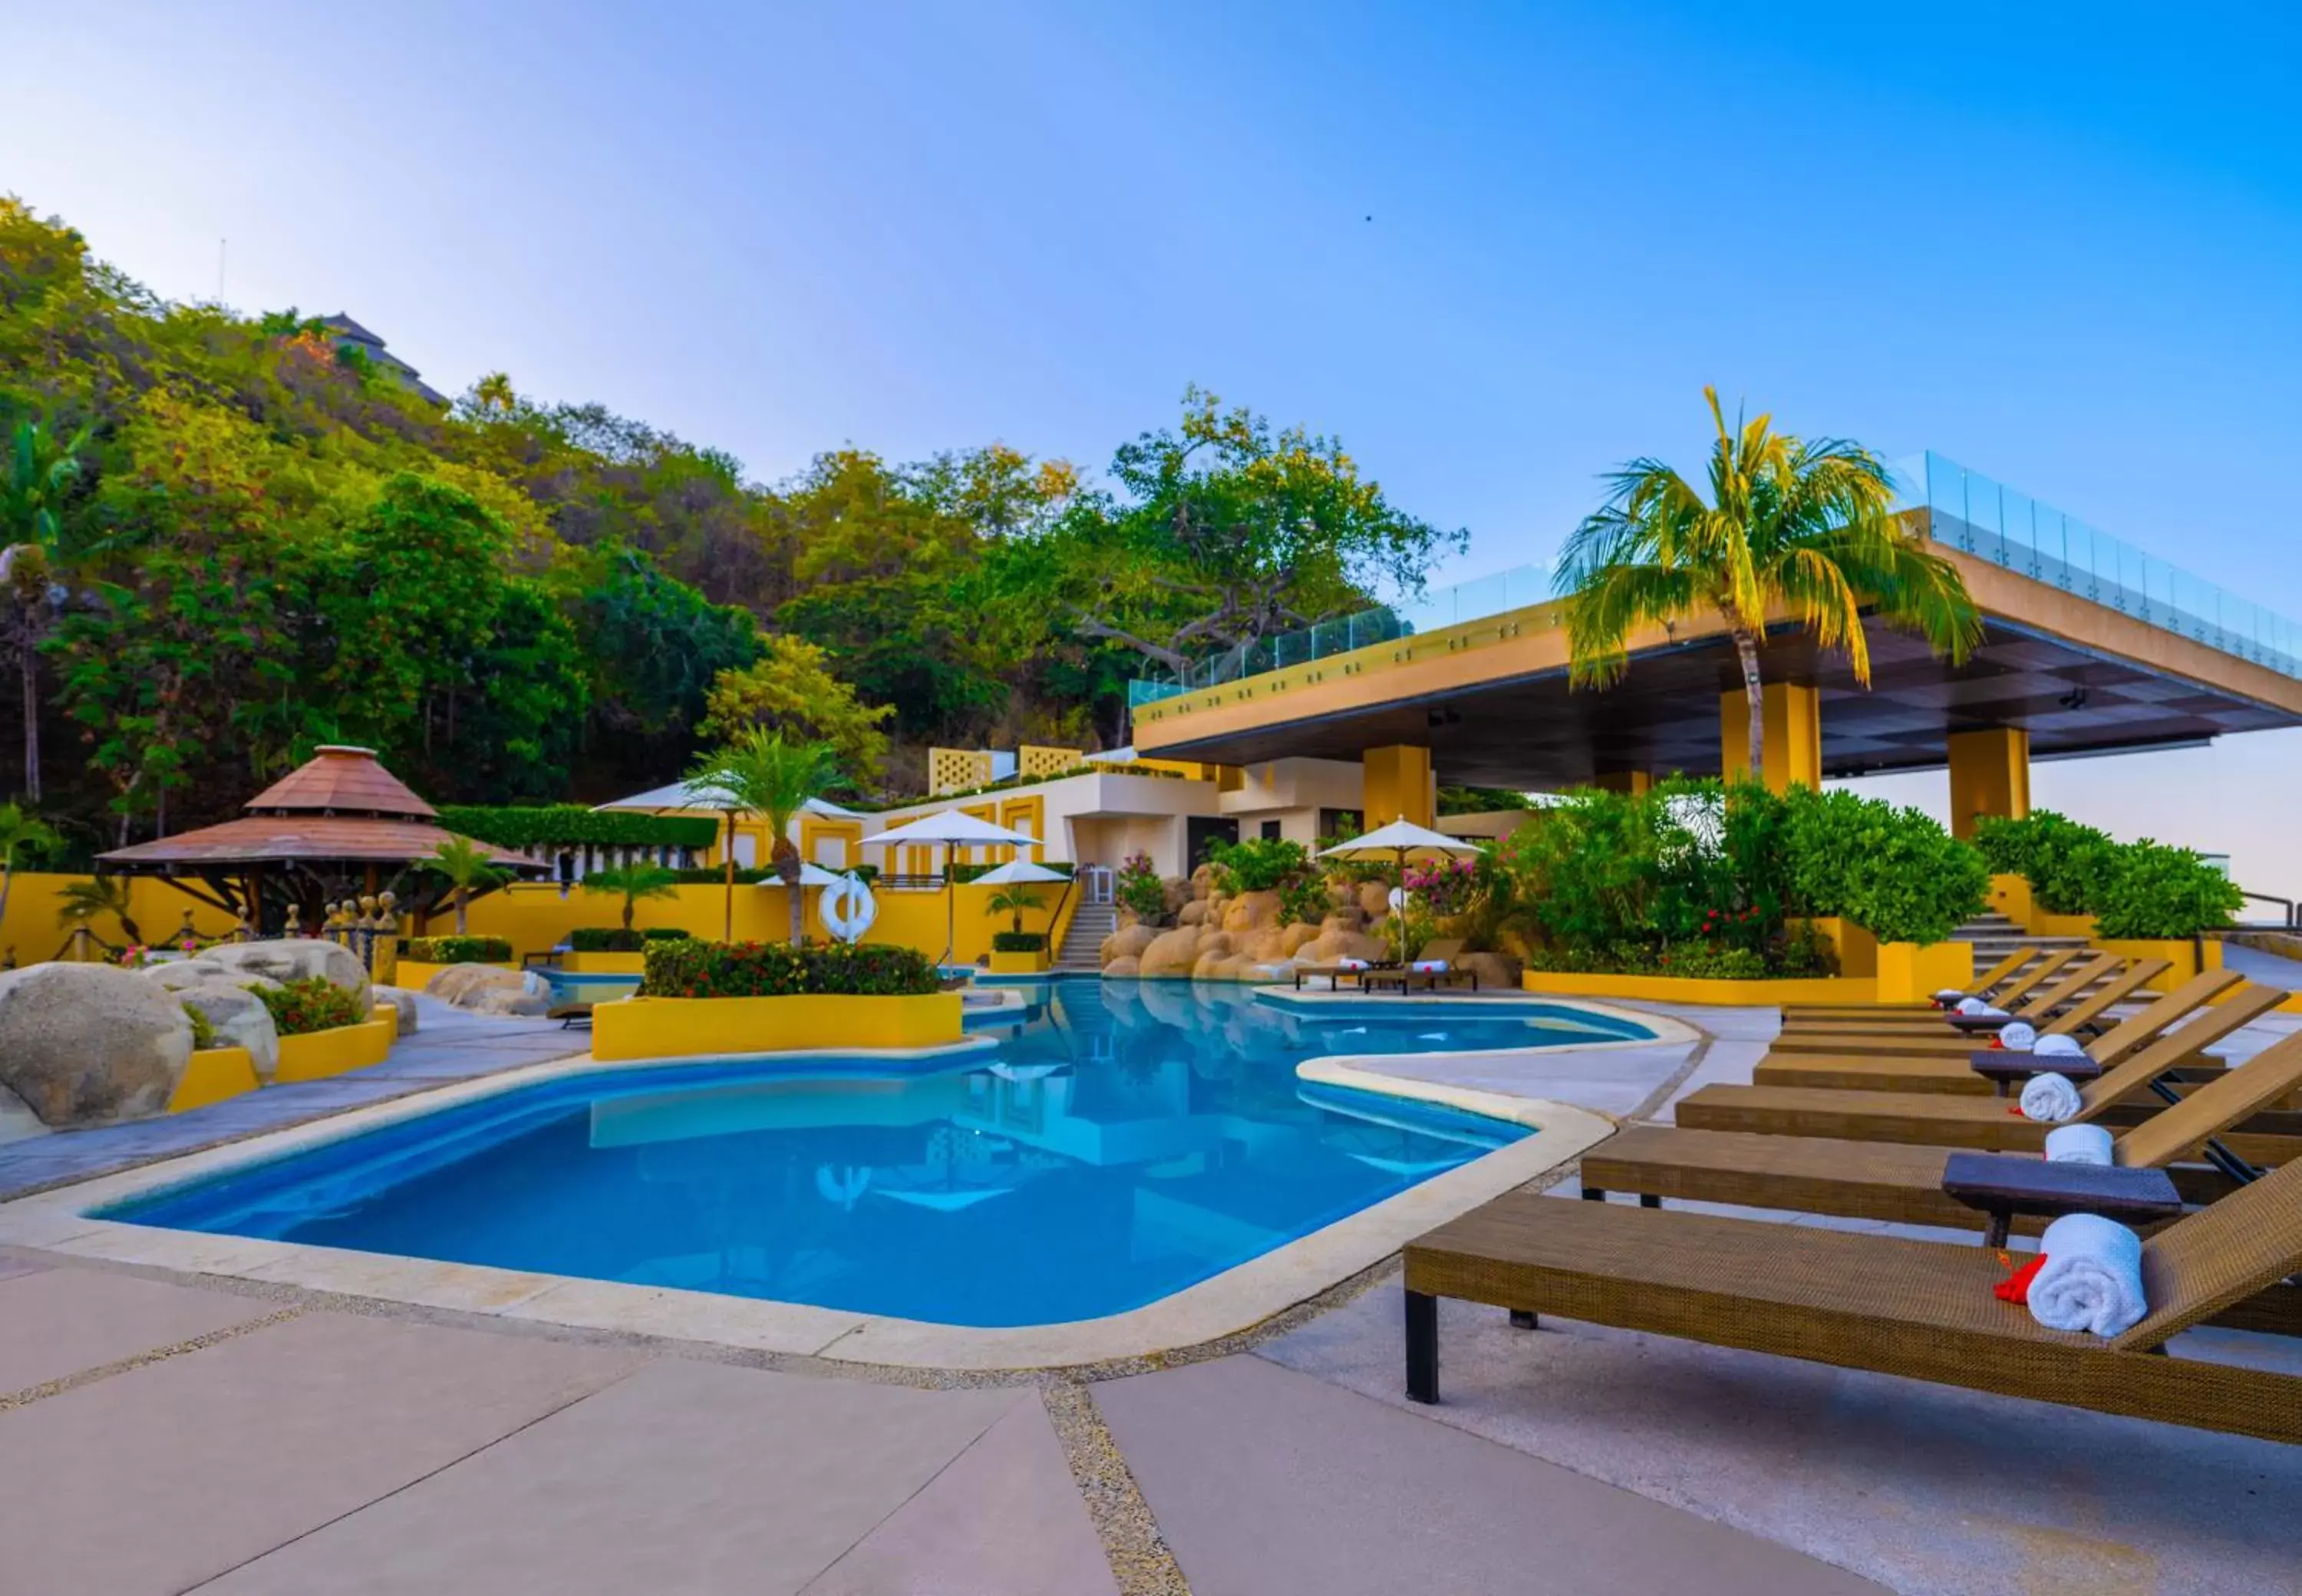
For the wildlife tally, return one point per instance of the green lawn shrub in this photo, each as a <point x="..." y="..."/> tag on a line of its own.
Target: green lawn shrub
<point x="695" y="968"/>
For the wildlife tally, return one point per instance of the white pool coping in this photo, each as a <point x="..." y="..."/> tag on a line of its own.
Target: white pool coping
<point x="1240" y="1297"/>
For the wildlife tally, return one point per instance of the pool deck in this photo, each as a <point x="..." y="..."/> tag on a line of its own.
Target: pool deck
<point x="165" y="1432"/>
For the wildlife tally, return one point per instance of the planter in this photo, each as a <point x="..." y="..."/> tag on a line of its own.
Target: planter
<point x="317" y="1055"/>
<point x="1671" y="988"/>
<point x="2183" y="953"/>
<point x="414" y="974"/>
<point x="214" y="1075"/>
<point x="2043" y="924"/>
<point x="1911" y="972"/>
<point x="682" y="1027"/>
<point x="604" y="963"/>
<point x="1031" y="964"/>
<point x="1854" y="949"/>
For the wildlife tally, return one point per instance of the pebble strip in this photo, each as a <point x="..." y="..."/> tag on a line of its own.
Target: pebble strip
<point x="1139" y="1559"/>
<point x="55" y="1388"/>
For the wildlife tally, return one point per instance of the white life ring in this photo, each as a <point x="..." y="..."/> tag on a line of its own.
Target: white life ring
<point x="1397" y="899"/>
<point x="848" y="908"/>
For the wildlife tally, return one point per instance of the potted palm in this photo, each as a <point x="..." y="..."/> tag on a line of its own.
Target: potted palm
<point x="595" y="949"/>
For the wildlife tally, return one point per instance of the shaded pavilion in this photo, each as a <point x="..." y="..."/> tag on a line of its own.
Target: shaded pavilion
<point x="337" y="826"/>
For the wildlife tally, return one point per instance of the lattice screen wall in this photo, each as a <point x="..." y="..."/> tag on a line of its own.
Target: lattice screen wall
<point x="1033" y="760"/>
<point x="951" y="769"/>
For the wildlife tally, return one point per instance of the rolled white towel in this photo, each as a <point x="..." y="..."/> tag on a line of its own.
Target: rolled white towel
<point x="1429" y="966"/>
<point x="1950" y="997"/>
<point x="2050" y="1099"/>
<point x="2092" y="1278"/>
<point x="1350" y="964"/>
<point x="2020" y="1037"/>
<point x="1993" y="1011"/>
<point x="2058" y="1046"/>
<point x="1971" y="1005"/>
<point x="2079" y="1144"/>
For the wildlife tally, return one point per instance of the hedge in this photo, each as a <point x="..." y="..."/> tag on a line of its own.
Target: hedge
<point x="457" y="949"/>
<point x="1896" y="872"/>
<point x="2068" y="865"/>
<point x="571" y="825"/>
<point x="665" y="934"/>
<point x="1018" y="942"/>
<point x="604" y="939"/>
<point x="2143" y="890"/>
<point x="694" y="968"/>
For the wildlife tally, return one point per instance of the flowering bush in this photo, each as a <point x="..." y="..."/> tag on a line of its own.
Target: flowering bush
<point x="1140" y="890"/>
<point x="1445" y="886"/>
<point x="694" y="968"/>
<point x="310" y="1002"/>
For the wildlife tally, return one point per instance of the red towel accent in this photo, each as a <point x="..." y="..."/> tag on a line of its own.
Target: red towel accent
<point x="1997" y="1043"/>
<point x="2016" y="1287"/>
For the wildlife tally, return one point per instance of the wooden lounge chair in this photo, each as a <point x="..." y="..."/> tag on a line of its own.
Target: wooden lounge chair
<point x="2008" y="979"/>
<point x="1922" y="1309"/>
<point x="1930" y="1118"/>
<point x="572" y="1016"/>
<point x="2064" y="1008"/>
<point x="1902" y="1184"/>
<point x="1947" y="1068"/>
<point x="1445" y="950"/>
<point x="1336" y="974"/>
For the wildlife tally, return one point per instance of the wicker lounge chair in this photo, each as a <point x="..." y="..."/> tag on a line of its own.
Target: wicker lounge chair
<point x="1921" y="1309"/>
<point x="2003" y="982"/>
<point x="1444" y="951"/>
<point x="2067" y="1007"/>
<point x="1899" y="1068"/>
<point x="1336" y="974"/>
<point x="1987" y="1124"/>
<point x="1902" y="1184"/>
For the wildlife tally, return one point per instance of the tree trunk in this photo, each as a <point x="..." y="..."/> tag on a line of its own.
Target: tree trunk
<point x="727" y="929"/>
<point x="788" y="867"/>
<point x="1746" y="647"/>
<point x="29" y="657"/>
<point x="463" y="923"/>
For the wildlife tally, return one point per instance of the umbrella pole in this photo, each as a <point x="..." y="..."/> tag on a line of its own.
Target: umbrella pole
<point x="950" y="905"/>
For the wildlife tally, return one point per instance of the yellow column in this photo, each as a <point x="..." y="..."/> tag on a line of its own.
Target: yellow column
<point x="1632" y="782"/>
<point x="1989" y="775"/>
<point x="1794" y="733"/>
<point x="1396" y="785"/>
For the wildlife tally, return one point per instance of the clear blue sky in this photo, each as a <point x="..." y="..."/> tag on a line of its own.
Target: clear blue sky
<point x="2060" y="244"/>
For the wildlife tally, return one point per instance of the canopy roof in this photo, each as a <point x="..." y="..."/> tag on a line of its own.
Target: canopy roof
<point x="702" y="794"/>
<point x="340" y="780"/>
<point x="1016" y="872"/>
<point x="950" y="826"/>
<point x="1401" y="837"/>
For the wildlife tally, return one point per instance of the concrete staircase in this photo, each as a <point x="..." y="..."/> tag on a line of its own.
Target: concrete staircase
<point x="1082" y="947"/>
<point x="1994" y="936"/>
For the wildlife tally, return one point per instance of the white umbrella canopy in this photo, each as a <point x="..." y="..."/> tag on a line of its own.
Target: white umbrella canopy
<point x="702" y="794"/>
<point x="1018" y="873"/>
<point x="950" y="826"/>
<point x="1402" y="837"/>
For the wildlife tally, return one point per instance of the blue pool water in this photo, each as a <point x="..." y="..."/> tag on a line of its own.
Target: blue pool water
<point x="1119" y="1143"/>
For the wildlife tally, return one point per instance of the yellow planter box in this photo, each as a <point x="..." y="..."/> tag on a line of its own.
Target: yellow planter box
<point x="214" y="1074"/>
<point x="681" y="1027"/>
<point x="2043" y="924"/>
<point x="317" y="1055"/>
<point x="1671" y="988"/>
<point x="1911" y="972"/>
<point x="2009" y="895"/>
<point x="604" y="963"/>
<point x="1018" y="963"/>
<point x="1854" y="949"/>
<point x="2181" y="951"/>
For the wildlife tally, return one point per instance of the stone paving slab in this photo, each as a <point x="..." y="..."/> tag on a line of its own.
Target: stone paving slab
<point x="1005" y="1519"/>
<point x="59" y="1321"/>
<point x="693" y="1478"/>
<point x="1268" y="1482"/>
<point x="10" y="1267"/>
<point x="1922" y="1488"/>
<point x="155" y="1479"/>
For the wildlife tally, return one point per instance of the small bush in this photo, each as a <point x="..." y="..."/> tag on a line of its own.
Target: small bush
<point x="1140" y="890"/>
<point x="694" y="968"/>
<point x="457" y="949"/>
<point x="1305" y="899"/>
<point x="605" y="939"/>
<point x="2068" y="865"/>
<point x="1896" y="872"/>
<point x="204" y="1036"/>
<point x="1260" y="864"/>
<point x="665" y="934"/>
<point x="2153" y="891"/>
<point x="1018" y="942"/>
<point x="313" y="1003"/>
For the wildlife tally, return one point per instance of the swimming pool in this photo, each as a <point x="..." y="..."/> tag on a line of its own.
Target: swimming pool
<point x="1117" y="1144"/>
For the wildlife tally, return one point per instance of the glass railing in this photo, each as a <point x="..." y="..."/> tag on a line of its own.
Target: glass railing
<point x="1985" y="518"/>
<point x="1971" y="513"/>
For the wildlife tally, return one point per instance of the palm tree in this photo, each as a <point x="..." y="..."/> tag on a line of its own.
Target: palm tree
<point x="757" y="773"/>
<point x="1805" y="526"/>
<point x="79" y="900"/>
<point x="40" y="474"/>
<point x="468" y="870"/>
<point x="1012" y="900"/>
<point x="21" y="832"/>
<point x="634" y="881"/>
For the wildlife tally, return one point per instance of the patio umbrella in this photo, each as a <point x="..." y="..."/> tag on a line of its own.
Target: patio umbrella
<point x="1392" y="843"/>
<point x="1017" y="872"/>
<point x="951" y="829"/>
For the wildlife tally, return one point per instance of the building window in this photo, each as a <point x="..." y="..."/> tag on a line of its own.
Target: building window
<point x="1270" y="830"/>
<point x="1341" y="822"/>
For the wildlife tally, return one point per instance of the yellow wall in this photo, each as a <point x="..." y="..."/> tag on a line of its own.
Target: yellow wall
<point x="1794" y="734"/>
<point x="687" y="1027"/>
<point x="1397" y="786"/>
<point x="1989" y="775"/>
<point x="30" y="923"/>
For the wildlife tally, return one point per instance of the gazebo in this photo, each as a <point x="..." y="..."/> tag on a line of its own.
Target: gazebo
<point x="339" y="824"/>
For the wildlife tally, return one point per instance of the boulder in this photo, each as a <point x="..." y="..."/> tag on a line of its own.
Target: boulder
<point x="1177" y="893"/>
<point x="1374" y="899"/>
<point x="1128" y="942"/>
<point x="1121" y="967"/>
<point x="294" y="959"/>
<point x="1251" y="912"/>
<point x="177" y="974"/>
<point x="1192" y="913"/>
<point x="90" y="1045"/>
<point x="401" y="1000"/>
<point x="1333" y="944"/>
<point x="1172" y="952"/>
<point x="1203" y="881"/>
<point x="1497" y="972"/>
<point x="17" y="1121"/>
<point x="239" y="1020"/>
<point x="489" y="990"/>
<point x="1293" y="939"/>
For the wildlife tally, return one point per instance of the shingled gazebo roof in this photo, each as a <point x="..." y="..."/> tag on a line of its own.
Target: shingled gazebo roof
<point x="340" y="780"/>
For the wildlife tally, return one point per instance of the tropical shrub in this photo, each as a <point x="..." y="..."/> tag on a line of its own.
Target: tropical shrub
<point x="204" y="1036"/>
<point x="457" y="949"/>
<point x="311" y="1003"/>
<point x="1893" y="872"/>
<point x="1140" y="890"/>
<point x="571" y="825"/>
<point x="1445" y="886"/>
<point x="665" y="934"/>
<point x="1259" y="864"/>
<point x="2066" y="864"/>
<point x="1018" y="942"/>
<point x="1305" y="899"/>
<point x="694" y="968"/>
<point x="2152" y="890"/>
<point x="605" y="939"/>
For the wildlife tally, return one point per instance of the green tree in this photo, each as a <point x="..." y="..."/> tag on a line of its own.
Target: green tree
<point x="790" y="688"/>
<point x="1012" y="901"/>
<point x="757" y="772"/>
<point x="77" y="901"/>
<point x="41" y="474"/>
<point x="21" y="832"/>
<point x="467" y="868"/>
<point x="1804" y="526"/>
<point x="634" y="882"/>
<point x="656" y="647"/>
